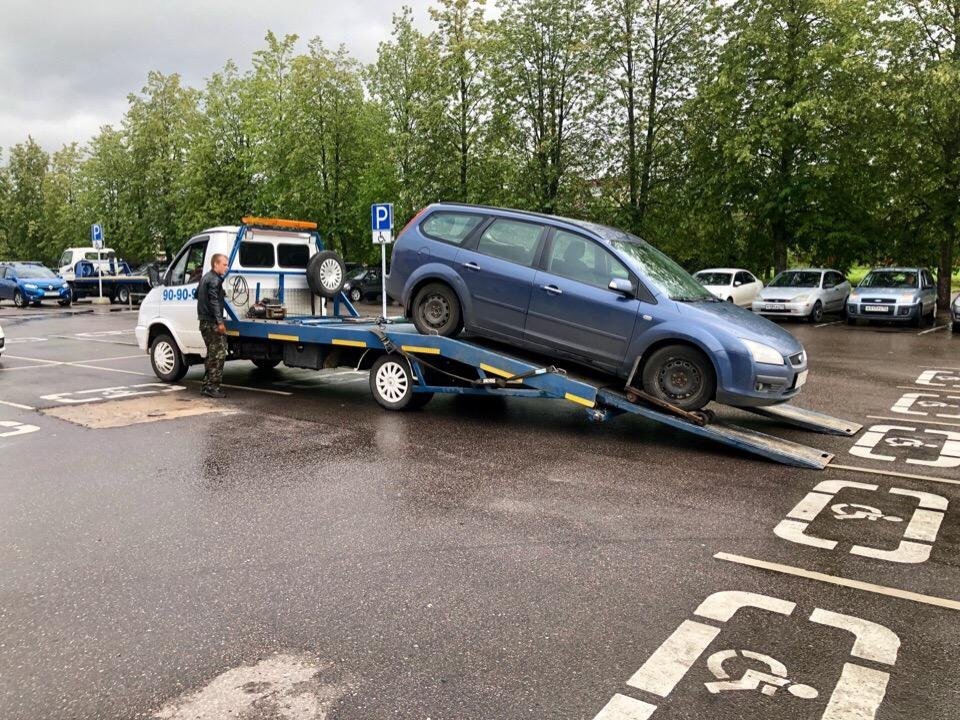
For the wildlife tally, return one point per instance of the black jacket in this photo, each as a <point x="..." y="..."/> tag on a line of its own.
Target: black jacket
<point x="210" y="298"/>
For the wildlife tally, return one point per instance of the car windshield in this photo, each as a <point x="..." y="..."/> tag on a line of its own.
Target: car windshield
<point x="797" y="279"/>
<point x="668" y="277"/>
<point x="33" y="272"/>
<point x="906" y="279"/>
<point x="713" y="278"/>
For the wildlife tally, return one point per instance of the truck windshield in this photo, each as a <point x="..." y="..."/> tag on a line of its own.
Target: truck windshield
<point x="34" y="271"/>
<point x="797" y="279"/>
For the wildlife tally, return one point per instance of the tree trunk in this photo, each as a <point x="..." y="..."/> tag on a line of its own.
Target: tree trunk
<point x="651" y="117"/>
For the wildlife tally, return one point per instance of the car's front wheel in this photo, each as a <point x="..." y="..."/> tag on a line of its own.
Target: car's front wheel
<point x="166" y="359"/>
<point x="816" y="315"/>
<point x="436" y="310"/>
<point x="355" y="295"/>
<point x="20" y="300"/>
<point x="680" y="375"/>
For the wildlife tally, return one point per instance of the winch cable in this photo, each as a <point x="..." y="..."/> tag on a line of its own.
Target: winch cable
<point x="393" y="349"/>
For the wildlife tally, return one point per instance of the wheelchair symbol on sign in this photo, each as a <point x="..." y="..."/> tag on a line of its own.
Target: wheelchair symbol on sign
<point x="918" y="537"/>
<point x="857" y="694"/>
<point x="892" y="436"/>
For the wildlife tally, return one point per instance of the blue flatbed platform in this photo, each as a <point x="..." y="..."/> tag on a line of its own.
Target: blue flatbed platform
<point x="506" y="373"/>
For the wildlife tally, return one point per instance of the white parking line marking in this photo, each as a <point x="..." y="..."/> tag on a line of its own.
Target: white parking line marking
<point x="914" y="420"/>
<point x="841" y="581"/>
<point x="939" y="367"/>
<point x="17" y="405"/>
<point x="889" y="473"/>
<point x="117" y="370"/>
<point x="827" y="324"/>
<point x="16" y="428"/>
<point x="624" y="707"/>
<point x="934" y="329"/>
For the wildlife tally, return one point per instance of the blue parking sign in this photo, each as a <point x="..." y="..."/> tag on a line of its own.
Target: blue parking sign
<point x="96" y="235"/>
<point x="381" y="223"/>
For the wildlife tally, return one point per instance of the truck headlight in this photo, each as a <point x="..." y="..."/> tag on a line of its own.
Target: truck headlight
<point x="763" y="353"/>
<point x="907" y="299"/>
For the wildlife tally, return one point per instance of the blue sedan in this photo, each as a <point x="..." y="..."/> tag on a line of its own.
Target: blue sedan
<point x="28" y="283"/>
<point x="593" y="295"/>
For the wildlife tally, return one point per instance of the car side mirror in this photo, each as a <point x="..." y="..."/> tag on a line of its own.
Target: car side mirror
<point x="737" y="283"/>
<point x="622" y="286"/>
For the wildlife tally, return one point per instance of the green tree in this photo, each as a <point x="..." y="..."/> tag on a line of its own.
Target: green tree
<point x="64" y="218"/>
<point x="545" y="83"/>
<point x="110" y="193"/>
<point x="23" y="218"/>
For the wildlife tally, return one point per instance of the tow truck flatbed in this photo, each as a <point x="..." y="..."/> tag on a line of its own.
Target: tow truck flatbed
<point x="504" y="373"/>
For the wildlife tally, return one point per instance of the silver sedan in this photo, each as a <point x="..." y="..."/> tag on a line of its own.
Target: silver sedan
<point x="803" y="293"/>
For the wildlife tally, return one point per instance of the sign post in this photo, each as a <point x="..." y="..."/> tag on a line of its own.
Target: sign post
<point x="381" y="224"/>
<point x="96" y="236"/>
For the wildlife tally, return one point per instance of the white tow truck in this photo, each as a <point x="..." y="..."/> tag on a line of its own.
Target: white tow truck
<point x="273" y="263"/>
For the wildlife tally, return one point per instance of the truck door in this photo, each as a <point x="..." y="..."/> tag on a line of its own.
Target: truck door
<point x="178" y="299"/>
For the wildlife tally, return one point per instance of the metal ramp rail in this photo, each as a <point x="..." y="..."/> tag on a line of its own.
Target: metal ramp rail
<point x="499" y="373"/>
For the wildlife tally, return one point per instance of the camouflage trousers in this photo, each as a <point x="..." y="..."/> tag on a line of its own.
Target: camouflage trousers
<point x="216" y="353"/>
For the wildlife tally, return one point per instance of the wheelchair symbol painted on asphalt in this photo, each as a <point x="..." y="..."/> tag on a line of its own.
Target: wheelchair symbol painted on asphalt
<point x="111" y="393"/>
<point x="857" y="695"/>
<point x="898" y="436"/>
<point x="15" y="428"/>
<point x="915" y="544"/>
<point x="940" y="378"/>
<point x="925" y="404"/>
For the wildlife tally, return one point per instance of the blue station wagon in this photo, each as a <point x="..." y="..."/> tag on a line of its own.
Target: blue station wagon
<point x="593" y="295"/>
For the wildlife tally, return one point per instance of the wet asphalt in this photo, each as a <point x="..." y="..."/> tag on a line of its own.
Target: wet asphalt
<point x="476" y="559"/>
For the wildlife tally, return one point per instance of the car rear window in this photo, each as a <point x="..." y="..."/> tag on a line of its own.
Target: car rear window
<point x="256" y="254"/>
<point x="451" y="227"/>
<point x="292" y="256"/>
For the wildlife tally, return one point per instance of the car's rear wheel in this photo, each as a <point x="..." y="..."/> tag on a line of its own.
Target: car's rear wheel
<point x="391" y="382"/>
<point x="816" y="315"/>
<point x="730" y="299"/>
<point x="680" y="375"/>
<point x="166" y="359"/>
<point x="65" y="303"/>
<point x="436" y="310"/>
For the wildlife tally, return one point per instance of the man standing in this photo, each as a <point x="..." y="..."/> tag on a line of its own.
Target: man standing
<point x="214" y="332"/>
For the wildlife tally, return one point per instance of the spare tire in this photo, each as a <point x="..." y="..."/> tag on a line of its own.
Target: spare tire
<point x="326" y="273"/>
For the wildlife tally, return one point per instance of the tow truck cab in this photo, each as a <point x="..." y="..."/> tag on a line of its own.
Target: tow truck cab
<point x="268" y="260"/>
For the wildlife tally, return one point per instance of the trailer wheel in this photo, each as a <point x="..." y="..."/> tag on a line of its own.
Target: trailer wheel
<point x="326" y="273"/>
<point x="166" y="359"/>
<point x="680" y="375"/>
<point x="391" y="383"/>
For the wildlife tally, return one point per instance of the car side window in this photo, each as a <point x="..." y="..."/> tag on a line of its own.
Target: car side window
<point x="927" y="280"/>
<point x="188" y="268"/>
<point x="743" y="278"/>
<point x="838" y="279"/>
<point x="511" y="240"/>
<point x="450" y="227"/>
<point x="577" y="258"/>
<point x="828" y="281"/>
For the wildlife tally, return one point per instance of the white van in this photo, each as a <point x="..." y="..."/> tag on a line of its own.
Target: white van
<point x="270" y="263"/>
<point x="67" y="267"/>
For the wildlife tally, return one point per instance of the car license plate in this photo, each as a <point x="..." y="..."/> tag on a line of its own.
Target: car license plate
<point x="51" y="293"/>
<point x="801" y="380"/>
<point x="774" y="306"/>
<point x="876" y="308"/>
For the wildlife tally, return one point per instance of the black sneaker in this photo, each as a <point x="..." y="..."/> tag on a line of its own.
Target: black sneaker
<point x="213" y="392"/>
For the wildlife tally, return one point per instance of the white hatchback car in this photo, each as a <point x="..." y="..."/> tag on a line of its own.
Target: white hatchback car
<point x="731" y="284"/>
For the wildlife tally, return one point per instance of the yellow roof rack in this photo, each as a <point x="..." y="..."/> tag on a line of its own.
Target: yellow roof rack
<point x="280" y="223"/>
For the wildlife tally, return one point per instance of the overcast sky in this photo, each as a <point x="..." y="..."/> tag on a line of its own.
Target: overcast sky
<point x="67" y="66"/>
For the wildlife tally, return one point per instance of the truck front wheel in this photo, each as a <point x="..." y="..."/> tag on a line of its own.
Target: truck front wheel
<point x="166" y="359"/>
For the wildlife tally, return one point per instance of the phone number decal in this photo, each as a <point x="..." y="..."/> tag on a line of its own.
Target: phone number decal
<point x="180" y="294"/>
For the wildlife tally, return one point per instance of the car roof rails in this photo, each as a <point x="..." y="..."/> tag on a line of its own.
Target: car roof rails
<point x="278" y="223"/>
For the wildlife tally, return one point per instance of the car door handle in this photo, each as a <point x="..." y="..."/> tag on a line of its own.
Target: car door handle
<point x="552" y="289"/>
<point x="471" y="266"/>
